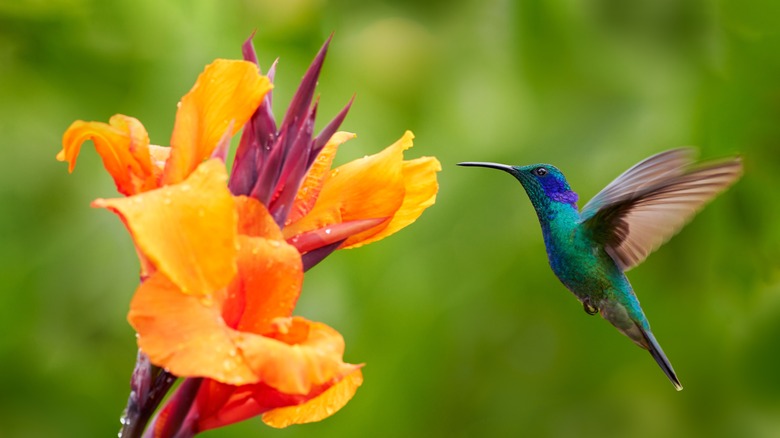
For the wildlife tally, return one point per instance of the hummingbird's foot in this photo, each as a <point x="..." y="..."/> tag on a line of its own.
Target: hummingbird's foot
<point x="590" y="309"/>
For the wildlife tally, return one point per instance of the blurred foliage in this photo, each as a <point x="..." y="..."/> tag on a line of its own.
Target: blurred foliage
<point x="464" y="329"/>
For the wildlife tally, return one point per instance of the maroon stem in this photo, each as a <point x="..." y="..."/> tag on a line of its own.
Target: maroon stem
<point x="175" y="419"/>
<point x="148" y="386"/>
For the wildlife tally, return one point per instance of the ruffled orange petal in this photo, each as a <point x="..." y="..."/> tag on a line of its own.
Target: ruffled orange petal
<point x="123" y="145"/>
<point x="367" y="188"/>
<point x="318" y="408"/>
<point x="315" y="178"/>
<point x="219" y="404"/>
<point x="270" y="275"/>
<point x="420" y="193"/>
<point x="187" y="335"/>
<point x="188" y="230"/>
<point x="307" y="354"/>
<point x="227" y="91"/>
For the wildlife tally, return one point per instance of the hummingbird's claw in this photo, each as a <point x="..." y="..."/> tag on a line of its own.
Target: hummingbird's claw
<point x="590" y="309"/>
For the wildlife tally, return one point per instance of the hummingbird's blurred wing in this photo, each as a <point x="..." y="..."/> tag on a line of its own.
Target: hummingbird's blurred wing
<point x="646" y="205"/>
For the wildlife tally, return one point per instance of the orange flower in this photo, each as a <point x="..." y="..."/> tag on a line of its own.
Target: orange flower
<point x="235" y="326"/>
<point x="222" y="258"/>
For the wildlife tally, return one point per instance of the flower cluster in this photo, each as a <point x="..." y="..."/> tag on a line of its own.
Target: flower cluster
<point x="223" y="256"/>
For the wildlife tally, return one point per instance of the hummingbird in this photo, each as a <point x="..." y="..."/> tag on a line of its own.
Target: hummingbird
<point x="590" y="250"/>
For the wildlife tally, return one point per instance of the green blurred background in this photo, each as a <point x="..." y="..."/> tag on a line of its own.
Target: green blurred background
<point x="464" y="329"/>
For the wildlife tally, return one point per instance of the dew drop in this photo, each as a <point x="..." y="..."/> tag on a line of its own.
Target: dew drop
<point x="328" y="231"/>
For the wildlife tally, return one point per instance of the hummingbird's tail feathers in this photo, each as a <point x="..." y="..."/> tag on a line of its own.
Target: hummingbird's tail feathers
<point x="658" y="354"/>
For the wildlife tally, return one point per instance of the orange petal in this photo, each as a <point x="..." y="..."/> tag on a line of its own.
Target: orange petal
<point x="227" y="91"/>
<point x="370" y="187"/>
<point x="187" y="335"/>
<point x="420" y="193"/>
<point x="295" y="364"/>
<point x="270" y="275"/>
<point x="318" y="408"/>
<point x="188" y="230"/>
<point x="315" y="178"/>
<point x="219" y="404"/>
<point x="123" y="144"/>
<point x="255" y="220"/>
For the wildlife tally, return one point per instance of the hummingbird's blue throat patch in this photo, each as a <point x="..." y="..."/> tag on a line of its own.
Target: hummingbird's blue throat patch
<point x="558" y="190"/>
<point x="568" y="197"/>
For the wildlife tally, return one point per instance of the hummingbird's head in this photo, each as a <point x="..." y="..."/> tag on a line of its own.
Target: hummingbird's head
<point x="544" y="183"/>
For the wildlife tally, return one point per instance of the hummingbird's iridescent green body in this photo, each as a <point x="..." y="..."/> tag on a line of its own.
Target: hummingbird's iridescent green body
<point x="589" y="250"/>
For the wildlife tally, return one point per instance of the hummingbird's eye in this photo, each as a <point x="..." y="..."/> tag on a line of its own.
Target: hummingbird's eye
<point x="540" y="171"/>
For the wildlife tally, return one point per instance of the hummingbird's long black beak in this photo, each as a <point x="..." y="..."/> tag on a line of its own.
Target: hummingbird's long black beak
<point x="504" y="167"/>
